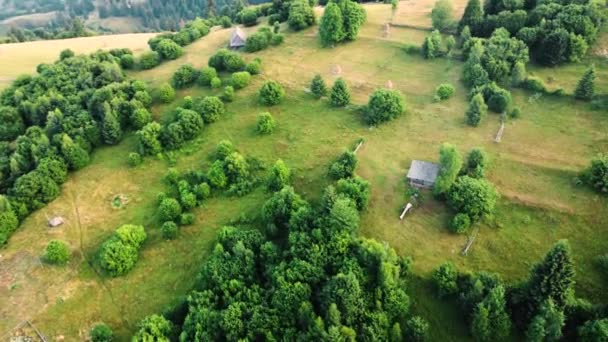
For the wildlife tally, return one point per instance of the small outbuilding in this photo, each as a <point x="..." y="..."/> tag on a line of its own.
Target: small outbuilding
<point x="56" y="221"/>
<point x="422" y="174"/>
<point x="237" y="38"/>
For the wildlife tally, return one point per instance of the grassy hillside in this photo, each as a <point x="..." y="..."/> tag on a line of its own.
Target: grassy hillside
<point x="22" y="58"/>
<point x="533" y="167"/>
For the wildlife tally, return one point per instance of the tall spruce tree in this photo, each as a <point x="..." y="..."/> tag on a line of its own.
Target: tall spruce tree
<point x="340" y="95"/>
<point x="318" y="87"/>
<point x="586" y="87"/>
<point x="476" y="111"/>
<point x="111" y="130"/>
<point x="472" y="17"/>
<point x="331" y="30"/>
<point x="547" y="324"/>
<point x="490" y="319"/>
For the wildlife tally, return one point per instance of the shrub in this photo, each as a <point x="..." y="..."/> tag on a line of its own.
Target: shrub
<point x="476" y="163"/>
<point x="585" y="87"/>
<point x="318" y="87"/>
<point x="56" y="252"/>
<point x="473" y="197"/>
<point x="65" y="54"/>
<point x="253" y="68"/>
<point x="210" y="108"/>
<point x="460" y="223"/>
<point x="127" y="61"/>
<point x="169" y="210"/>
<point x="384" y="105"/>
<point x="140" y="117"/>
<point x="301" y="15"/>
<point x="168" y="49"/>
<point x="240" y="79"/>
<point x="257" y="42"/>
<point x="596" y="175"/>
<point x="134" y="159"/>
<point x="271" y="93"/>
<point x="445" y="277"/>
<point x="249" y="16"/>
<point x="417" y="329"/>
<point x="186" y="219"/>
<point x="225" y="22"/>
<point x="169" y="230"/>
<point x="216" y="82"/>
<point x="149" y="60"/>
<point x="477" y="110"/>
<point x="515" y="113"/>
<point x="117" y="257"/>
<point x="101" y="333"/>
<point x="8" y="224"/>
<point x="216" y="175"/>
<point x="277" y="39"/>
<point x="340" y="94"/>
<point x="206" y="75"/>
<point x="344" y="166"/>
<point x="234" y="62"/>
<point x="223" y="149"/>
<point x="228" y="95"/>
<point x="356" y="189"/>
<point x="131" y="234"/>
<point x="265" y="123"/>
<point x="431" y="47"/>
<point x="202" y="191"/>
<point x="185" y="76"/>
<point x="279" y="177"/>
<point x="534" y="84"/>
<point x="444" y="91"/>
<point x="153" y="328"/>
<point x="166" y="93"/>
<point x="216" y="61"/>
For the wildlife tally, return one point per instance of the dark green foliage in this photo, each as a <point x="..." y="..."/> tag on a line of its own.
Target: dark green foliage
<point x="279" y="177"/>
<point x="444" y="278"/>
<point x="127" y="61"/>
<point x="596" y="175"/>
<point x="153" y="328"/>
<point x="149" y="60"/>
<point x="444" y="91"/>
<point x="301" y="15"/>
<point x="596" y="330"/>
<point x="185" y="76"/>
<point x="240" y="79"/>
<point x="441" y="15"/>
<point x="344" y="166"/>
<point x="249" y="17"/>
<point x="450" y="163"/>
<point x="490" y="320"/>
<point x="472" y="17"/>
<point x="206" y="75"/>
<point x="54" y="168"/>
<point x="210" y="108"/>
<point x="148" y="139"/>
<point x="169" y="210"/>
<point x="497" y="98"/>
<point x="34" y="190"/>
<point x="216" y="82"/>
<point x="216" y="175"/>
<point x="140" y="117"/>
<point x="534" y="84"/>
<point x="277" y="211"/>
<point x="8" y="224"/>
<point x="271" y="93"/>
<point x="169" y="230"/>
<point x="477" y="110"/>
<point x="65" y="54"/>
<point x="265" y="124"/>
<point x="585" y="87"/>
<point x="111" y="131"/>
<point x="101" y="333"/>
<point x="431" y="47"/>
<point x="547" y="324"/>
<point x="253" y="68"/>
<point x="340" y="94"/>
<point x="188" y="218"/>
<point x="56" y="252"/>
<point x="476" y="163"/>
<point x="277" y="39"/>
<point x="12" y="124"/>
<point x="473" y="197"/>
<point x="384" y="105"/>
<point x="225" y="60"/>
<point x="460" y="223"/>
<point x="356" y="189"/>
<point x="165" y="93"/>
<point x="168" y="49"/>
<point x="318" y="87"/>
<point x="257" y="41"/>
<point x="417" y="329"/>
<point x="341" y="22"/>
<point x="119" y="254"/>
<point x="225" y="22"/>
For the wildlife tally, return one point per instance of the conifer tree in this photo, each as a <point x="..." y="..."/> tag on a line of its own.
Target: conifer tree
<point x="331" y="30"/>
<point x="547" y="324"/>
<point x="110" y="131"/>
<point x="472" y="17"/>
<point x="340" y="95"/>
<point x="490" y="319"/>
<point x="476" y="111"/>
<point x="585" y="88"/>
<point x="318" y="87"/>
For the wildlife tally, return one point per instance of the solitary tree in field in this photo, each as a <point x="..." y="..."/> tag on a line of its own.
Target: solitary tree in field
<point x="596" y="175"/>
<point x="331" y="30"/>
<point x="476" y="111"/>
<point x="431" y="47"/>
<point x="318" y="87"/>
<point x="340" y="95"/>
<point x="441" y="15"/>
<point x="585" y="88"/>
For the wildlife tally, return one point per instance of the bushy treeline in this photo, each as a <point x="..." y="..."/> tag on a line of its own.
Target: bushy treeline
<point x="341" y="22"/>
<point x="119" y="254"/>
<point x="52" y="121"/>
<point x="543" y="307"/>
<point x="554" y="32"/>
<point x="306" y="276"/>
<point x="61" y="28"/>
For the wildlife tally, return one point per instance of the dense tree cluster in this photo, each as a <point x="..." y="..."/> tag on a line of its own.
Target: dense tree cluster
<point x="119" y="254"/>
<point x="60" y="28"/>
<point x="55" y="119"/>
<point x="341" y="22"/>
<point x="554" y="32"/>
<point x="262" y="39"/>
<point x="301" y="15"/>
